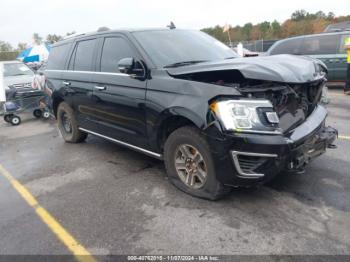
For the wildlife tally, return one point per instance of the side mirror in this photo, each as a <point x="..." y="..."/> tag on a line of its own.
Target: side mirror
<point x="126" y="65"/>
<point x="131" y="67"/>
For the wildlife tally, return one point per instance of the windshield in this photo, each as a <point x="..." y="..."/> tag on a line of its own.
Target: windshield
<point x="176" y="47"/>
<point x="17" y="69"/>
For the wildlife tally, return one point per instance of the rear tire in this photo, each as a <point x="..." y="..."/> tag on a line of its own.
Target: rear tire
<point x="198" y="178"/>
<point x="7" y="118"/>
<point x="68" y="125"/>
<point x="37" y="113"/>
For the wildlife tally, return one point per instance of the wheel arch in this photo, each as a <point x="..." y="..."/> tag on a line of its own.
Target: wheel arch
<point x="56" y="100"/>
<point x="172" y="119"/>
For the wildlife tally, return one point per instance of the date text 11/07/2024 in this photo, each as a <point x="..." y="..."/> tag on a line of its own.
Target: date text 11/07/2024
<point x="173" y="258"/>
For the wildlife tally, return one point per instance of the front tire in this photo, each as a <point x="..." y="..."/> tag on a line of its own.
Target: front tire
<point x="190" y="165"/>
<point x="15" y="120"/>
<point x="68" y="125"/>
<point x="46" y="115"/>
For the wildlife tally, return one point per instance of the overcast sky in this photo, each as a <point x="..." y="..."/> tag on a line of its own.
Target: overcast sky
<point x="21" y="18"/>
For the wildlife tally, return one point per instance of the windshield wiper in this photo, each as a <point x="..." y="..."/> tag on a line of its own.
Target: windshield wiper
<point x="231" y="57"/>
<point x="184" y="63"/>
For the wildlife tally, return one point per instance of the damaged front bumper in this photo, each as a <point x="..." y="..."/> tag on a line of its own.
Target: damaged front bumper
<point x="244" y="159"/>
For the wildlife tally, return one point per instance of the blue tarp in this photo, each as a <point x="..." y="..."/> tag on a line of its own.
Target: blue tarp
<point x="36" y="53"/>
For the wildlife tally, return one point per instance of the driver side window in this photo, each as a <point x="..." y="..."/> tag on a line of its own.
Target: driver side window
<point x="114" y="49"/>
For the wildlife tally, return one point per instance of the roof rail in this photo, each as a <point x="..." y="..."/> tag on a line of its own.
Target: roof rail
<point x="72" y="35"/>
<point x="103" y="28"/>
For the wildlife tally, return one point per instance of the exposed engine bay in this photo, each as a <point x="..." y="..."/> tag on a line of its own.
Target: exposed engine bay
<point x="292" y="102"/>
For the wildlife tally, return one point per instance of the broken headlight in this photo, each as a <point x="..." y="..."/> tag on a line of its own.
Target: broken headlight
<point x="247" y="115"/>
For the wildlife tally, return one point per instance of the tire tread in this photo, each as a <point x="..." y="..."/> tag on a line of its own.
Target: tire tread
<point x="218" y="190"/>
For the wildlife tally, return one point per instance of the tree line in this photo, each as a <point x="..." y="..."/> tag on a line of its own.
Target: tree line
<point x="300" y="23"/>
<point x="49" y="39"/>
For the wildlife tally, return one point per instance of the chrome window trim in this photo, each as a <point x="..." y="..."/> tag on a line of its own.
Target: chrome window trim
<point x="241" y="173"/>
<point x="145" y="151"/>
<point x="87" y="72"/>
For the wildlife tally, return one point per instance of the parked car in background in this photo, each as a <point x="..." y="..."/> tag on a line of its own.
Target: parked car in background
<point x="342" y="26"/>
<point x="327" y="47"/>
<point x="216" y="120"/>
<point x="22" y="92"/>
<point x="17" y="75"/>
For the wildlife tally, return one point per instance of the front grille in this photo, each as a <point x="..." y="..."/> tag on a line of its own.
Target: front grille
<point x="22" y="85"/>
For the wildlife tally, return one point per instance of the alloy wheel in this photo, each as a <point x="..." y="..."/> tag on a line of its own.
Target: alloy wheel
<point x="66" y="123"/>
<point x="190" y="166"/>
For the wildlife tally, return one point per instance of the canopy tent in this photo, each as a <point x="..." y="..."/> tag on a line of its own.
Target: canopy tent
<point x="36" y="53"/>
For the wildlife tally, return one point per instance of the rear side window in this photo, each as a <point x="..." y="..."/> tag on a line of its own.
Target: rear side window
<point x="319" y="45"/>
<point x="58" y="56"/>
<point x="289" y="46"/>
<point x="114" y="49"/>
<point x="83" y="55"/>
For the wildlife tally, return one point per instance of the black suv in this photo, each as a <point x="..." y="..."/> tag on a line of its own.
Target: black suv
<point x="216" y="120"/>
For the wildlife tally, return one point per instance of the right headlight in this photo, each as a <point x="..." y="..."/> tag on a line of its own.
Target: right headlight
<point x="247" y="115"/>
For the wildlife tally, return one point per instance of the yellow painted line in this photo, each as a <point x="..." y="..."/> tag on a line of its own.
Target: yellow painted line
<point x="80" y="253"/>
<point x="344" y="137"/>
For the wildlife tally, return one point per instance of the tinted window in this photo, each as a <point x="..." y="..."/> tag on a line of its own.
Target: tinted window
<point x="318" y="45"/>
<point x="342" y="44"/>
<point x="57" y="57"/>
<point x="114" y="49"/>
<point x="83" y="53"/>
<point x="289" y="46"/>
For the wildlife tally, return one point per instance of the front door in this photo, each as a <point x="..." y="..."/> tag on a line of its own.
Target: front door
<point x="120" y="98"/>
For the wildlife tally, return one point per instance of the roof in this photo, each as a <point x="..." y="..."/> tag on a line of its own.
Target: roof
<point x="338" y="27"/>
<point x="110" y="31"/>
<point x="319" y="34"/>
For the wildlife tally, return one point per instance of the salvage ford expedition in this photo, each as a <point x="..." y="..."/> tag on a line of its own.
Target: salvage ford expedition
<point x="217" y="121"/>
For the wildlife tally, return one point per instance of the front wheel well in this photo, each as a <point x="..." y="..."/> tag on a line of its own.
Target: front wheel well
<point x="55" y="103"/>
<point x="168" y="126"/>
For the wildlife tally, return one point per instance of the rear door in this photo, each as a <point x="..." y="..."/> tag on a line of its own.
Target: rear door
<point x="120" y="98"/>
<point x="341" y="65"/>
<point x="78" y="82"/>
<point x="323" y="47"/>
<point x="56" y="65"/>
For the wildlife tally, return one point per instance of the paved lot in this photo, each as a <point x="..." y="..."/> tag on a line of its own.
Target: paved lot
<point x="116" y="201"/>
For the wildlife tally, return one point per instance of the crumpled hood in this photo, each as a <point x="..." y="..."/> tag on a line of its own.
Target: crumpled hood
<point x="277" y="68"/>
